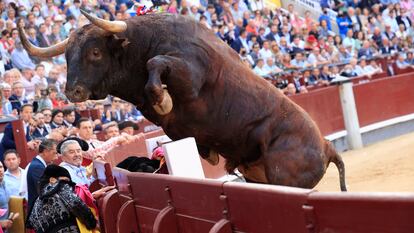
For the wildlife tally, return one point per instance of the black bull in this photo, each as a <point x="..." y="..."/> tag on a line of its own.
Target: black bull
<point x="185" y="79"/>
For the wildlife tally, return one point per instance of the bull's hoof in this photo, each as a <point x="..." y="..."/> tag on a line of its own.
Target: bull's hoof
<point x="213" y="158"/>
<point x="165" y="106"/>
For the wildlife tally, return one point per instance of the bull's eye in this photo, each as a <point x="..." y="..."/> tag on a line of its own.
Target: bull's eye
<point x="96" y="52"/>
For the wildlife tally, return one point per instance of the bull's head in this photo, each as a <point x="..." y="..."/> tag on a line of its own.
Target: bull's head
<point x="87" y="56"/>
<point x="89" y="53"/>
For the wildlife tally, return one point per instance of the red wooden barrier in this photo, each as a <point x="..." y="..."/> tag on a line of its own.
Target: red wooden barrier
<point x="26" y="155"/>
<point x="150" y="198"/>
<point x="162" y="203"/>
<point x="324" y="106"/>
<point x="361" y="213"/>
<point x="206" y="208"/>
<point x="265" y="208"/>
<point x="384" y="99"/>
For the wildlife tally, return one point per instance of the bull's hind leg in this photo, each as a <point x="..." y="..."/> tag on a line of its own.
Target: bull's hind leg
<point x="293" y="168"/>
<point x="165" y="72"/>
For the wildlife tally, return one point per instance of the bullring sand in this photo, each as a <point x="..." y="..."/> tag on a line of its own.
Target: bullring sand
<point x="386" y="166"/>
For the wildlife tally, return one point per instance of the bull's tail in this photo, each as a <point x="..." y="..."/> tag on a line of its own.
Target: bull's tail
<point x="334" y="157"/>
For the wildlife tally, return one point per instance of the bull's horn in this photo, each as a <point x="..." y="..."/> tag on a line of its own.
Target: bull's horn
<point x="110" y="26"/>
<point x="51" y="51"/>
<point x="165" y="106"/>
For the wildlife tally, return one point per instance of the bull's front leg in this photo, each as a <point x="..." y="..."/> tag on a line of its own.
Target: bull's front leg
<point x="163" y="70"/>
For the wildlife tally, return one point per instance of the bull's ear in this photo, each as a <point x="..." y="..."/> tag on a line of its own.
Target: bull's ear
<point x="120" y="42"/>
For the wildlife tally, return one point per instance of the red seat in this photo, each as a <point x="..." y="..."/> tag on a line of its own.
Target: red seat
<point x="266" y="208"/>
<point x="362" y="213"/>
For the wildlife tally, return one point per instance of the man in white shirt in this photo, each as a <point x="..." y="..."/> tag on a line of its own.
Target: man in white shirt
<point x="13" y="175"/>
<point x="265" y="52"/>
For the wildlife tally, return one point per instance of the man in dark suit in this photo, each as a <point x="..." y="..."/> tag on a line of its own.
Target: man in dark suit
<point x="404" y="19"/>
<point x="42" y="38"/>
<point x="47" y="154"/>
<point x="8" y="142"/>
<point x="386" y="48"/>
<point x="273" y="35"/>
<point x="240" y="42"/>
<point x="41" y="131"/>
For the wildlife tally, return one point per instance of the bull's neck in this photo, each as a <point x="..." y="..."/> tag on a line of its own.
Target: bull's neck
<point x="132" y="73"/>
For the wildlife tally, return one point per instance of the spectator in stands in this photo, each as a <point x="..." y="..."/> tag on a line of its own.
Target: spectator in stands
<point x="265" y="51"/>
<point x="5" y="223"/>
<point x="44" y="102"/>
<point x="343" y="22"/>
<point x="8" y="141"/>
<point x="348" y="71"/>
<point x="132" y="113"/>
<point x="54" y="97"/>
<point x="57" y="119"/>
<point x="270" y="67"/>
<point x="366" y="50"/>
<point x="117" y="113"/>
<point x="241" y="42"/>
<point x="58" y="208"/>
<point x="316" y="59"/>
<point x="17" y="99"/>
<point x="254" y="54"/>
<point x="377" y="37"/>
<point x="40" y="131"/>
<point x="105" y="115"/>
<point x="6" y="92"/>
<point x="349" y="41"/>
<point x="71" y="151"/>
<point x="386" y="47"/>
<point x="259" y="68"/>
<point x="355" y="67"/>
<point x="20" y="58"/>
<point x="403" y="18"/>
<point x="111" y="130"/>
<point x="47" y="154"/>
<point x="69" y="117"/>
<point x="127" y="127"/>
<point x="325" y="17"/>
<point x="96" y="147"/>
<point x="325" y="75"/>
<point x="47" y="113"/>
<point x="410" y="58"/>
<point x="28" y="83"/>
<point x="315" y="78"/>
<point x="297" y="45"/>
<point x="12" y="176"/>
<point x="324" y="30"/>
<point x="290" y="89"/>
<point x="299" y="61"/>
<point x="344" y="55"/>
<point x="366" y="69"/>
<point x="375" y="66"/>
<point x="401" y="62"/>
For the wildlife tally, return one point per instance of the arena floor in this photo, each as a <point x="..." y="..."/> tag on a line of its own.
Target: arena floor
<point x="387" y="166"/>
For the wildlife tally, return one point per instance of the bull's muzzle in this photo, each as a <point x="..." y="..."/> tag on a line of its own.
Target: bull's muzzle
<point x="166" y="104"/>
<point x="77" y="93"/>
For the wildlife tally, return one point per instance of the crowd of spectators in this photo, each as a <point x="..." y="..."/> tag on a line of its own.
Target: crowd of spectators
<point x="272" y="42"/>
